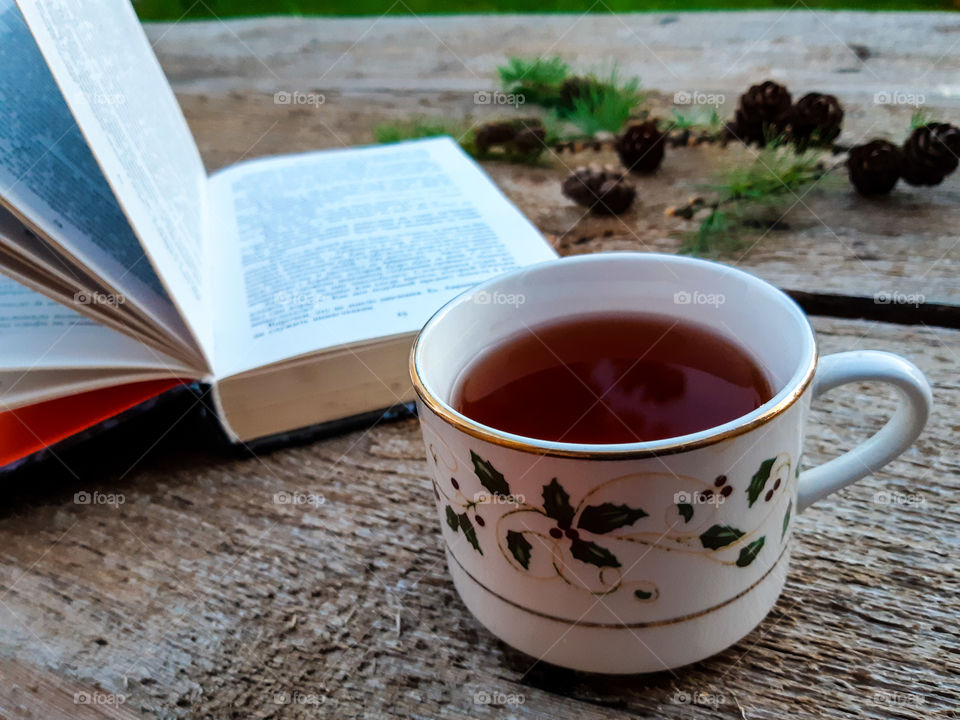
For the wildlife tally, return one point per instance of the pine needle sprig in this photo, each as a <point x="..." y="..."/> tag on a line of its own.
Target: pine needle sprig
<point x="750" y="197"/>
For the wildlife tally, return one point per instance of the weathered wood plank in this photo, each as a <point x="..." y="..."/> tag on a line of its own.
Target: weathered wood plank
<point x="903" y="248"/>
<point x="201" y="596"/>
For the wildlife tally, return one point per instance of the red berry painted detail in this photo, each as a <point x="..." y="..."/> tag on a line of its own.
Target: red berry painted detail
<point x="720" y="481"/>
<point x="727" y="490"/>
<point x="776" y="485"/>
<point x="556" y="532"/>
<point x="706" y="495"/>
<point x="480" y="521"/>
<point x="768" y="495"/>
<point x="572" y="534"/>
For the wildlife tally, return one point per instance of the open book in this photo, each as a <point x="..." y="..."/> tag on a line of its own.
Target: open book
<point x="293" y="285"/>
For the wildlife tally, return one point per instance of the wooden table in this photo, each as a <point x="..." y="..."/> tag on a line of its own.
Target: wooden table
<point x="201" y="597"/>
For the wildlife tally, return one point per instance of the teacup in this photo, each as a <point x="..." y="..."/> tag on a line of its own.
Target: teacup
<point x="645" y="556"/>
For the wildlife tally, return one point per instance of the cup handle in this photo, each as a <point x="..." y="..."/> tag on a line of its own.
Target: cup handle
<point x="891" y="440"/>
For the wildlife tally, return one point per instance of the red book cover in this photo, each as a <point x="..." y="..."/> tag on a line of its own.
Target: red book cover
<point x="29" y="429"/>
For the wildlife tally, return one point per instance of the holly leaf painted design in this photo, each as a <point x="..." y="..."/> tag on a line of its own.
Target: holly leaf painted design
<point x="590" y="552"/>
<point x="786" y="520"/>
<point x="519" y="547"/>
<point x="489" y="476"/>
<point x="469" y="532"/>
<point x="750" y="552"/>
<point x="759" y="481"/>
<point x="452" y="519"/>
<point x="719" y="536"/>
<point x="686" y="511"/>
<point x="603" y="518"/>
<point x="556" y="503"/>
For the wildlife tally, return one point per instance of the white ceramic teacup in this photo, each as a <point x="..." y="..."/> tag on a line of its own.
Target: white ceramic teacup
<point x="643" y="556"/>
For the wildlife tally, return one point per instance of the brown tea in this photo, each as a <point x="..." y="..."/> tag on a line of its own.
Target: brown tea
<point x="611" y="378"/>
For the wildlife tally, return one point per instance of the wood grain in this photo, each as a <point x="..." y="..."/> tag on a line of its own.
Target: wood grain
<point x="201" y="596"/>
<point x="905" y="245"/>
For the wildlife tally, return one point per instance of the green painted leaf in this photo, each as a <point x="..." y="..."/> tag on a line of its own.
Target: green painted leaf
<point x="718" y="536"/>
<point x="642" y="594"/>
<point x="786" y="520"/>
<point x="556" y="503"/>
<point x="520" y="547"/>
<point x="452" y="520"/>
<point x="469" y="532"/>
<point x="590" y="552"/>
<point x="686" y="511"/>
<point x="488" y="475"/>
<point x="750" y="552"/>
<point x="759" y="481"/>
<point x="606" y="517"/>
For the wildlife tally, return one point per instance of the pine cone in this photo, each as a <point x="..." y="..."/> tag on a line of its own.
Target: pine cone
<point x="522" y="137"/>
<point x="874" y="167"/>
<point x="764" y="109"/>
<point x="574" y="88"/>
<point x="641" y="147"/>
<point x="816" y="113"/>
<point x="930" y="153"/>
<point x="605" y="191"/>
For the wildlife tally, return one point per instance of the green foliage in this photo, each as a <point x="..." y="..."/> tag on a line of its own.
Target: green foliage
<point x="753" y="196"/>
<point x="603" y="105"/>
<point x="462" y="133"/>
<point x="181" y="9"/>
<point x="539" y="80"/>
<point x="696" y="122"/>
<point x="590" y="103"/>
<point x="416" y="129"/>
<point x="920" y="118"/>
<point x="776" y="171"/>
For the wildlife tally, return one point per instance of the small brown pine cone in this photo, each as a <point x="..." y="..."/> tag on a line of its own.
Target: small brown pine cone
<point x="930" y="153"/>
<point x="522" y="136"/>
<point x="875" y="167"/>
<point x="641" y="147"/>
<point x="493" y="134"/>
<point x="605" y="191"/>
<point x="816" y="113"/>
<point x="528" y="140"/>
<point x="574" y="88"/>
<point x="763" y="110"/>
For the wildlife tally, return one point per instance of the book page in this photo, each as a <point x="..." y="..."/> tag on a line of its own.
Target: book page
<point x="111" y="80"/>
<point x="39" y="333"/>
<point x="50" y="178"/>
<point x="337" y="247"/>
